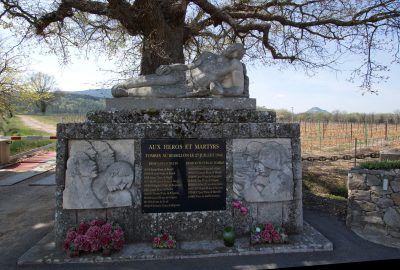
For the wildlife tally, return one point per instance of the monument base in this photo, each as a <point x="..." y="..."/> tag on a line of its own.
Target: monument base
<point x="117" y="138"/>
<point x="137" y="103"/>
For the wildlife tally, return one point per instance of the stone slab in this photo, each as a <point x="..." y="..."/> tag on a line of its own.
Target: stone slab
<point x="49" y="180"/>
<point x="21" y="176"/>
<point x="45" y="252"/>
<point x="135" y="103"/>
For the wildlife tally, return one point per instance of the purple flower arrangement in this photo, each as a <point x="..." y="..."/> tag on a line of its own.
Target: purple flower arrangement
<point x="94" y="236"/>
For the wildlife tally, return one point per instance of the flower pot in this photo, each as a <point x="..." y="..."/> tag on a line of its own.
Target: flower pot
<point x="229" y="236"/>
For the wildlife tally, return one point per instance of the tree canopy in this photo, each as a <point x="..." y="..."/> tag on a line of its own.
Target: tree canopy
<point x="308" y="33"/>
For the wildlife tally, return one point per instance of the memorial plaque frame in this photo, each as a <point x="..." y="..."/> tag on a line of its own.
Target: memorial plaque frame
<point x="183" y="175"/>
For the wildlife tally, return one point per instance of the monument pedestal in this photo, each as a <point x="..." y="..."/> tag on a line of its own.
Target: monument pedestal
<point x="179" y="170"/>
<point x="138" y="103"/>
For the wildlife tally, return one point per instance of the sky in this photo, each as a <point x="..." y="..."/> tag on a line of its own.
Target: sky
<point x="272" y="88"/>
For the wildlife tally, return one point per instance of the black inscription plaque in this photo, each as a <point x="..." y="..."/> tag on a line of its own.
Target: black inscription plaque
<point x="183" y="175"/>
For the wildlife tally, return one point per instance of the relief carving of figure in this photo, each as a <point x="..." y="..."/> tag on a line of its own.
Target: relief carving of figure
<point x="95" y="178"/>
<point x="265" y="173"/>
<point x="210" y="75"/>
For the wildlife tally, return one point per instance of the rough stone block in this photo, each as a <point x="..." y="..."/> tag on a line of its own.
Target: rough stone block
<point x="292" y="216"/>
<point x="366" y="206"/>
<point x="378" y="190"/>
<point x="384" y="202"/>
<point x="243" y="224"/>
<point x="221" y="220"/>
<point x="373" y="219"/>
<point x="375" y="229"/>
<point x="356" y="182"/>
<point x="90" y="214"/>
<point x="395" y="185"/>
<point x="392" y="218"/>
<point x="124" y="217"/>
<point x="353" y="218"/>
<point x="373" y="180"/>
<point x="287" y="130"/>
<point x="394" y="233"/>
<point x="263" y="130"/>
<point x="146" y="226"/>
<point x="138" y="103"/>
<point x="65" y="220"/>
<point x="396" y="198"/>
<point x="270" y="213"/>
<point x="196" y="226"/>
<point x="361" y="195"/>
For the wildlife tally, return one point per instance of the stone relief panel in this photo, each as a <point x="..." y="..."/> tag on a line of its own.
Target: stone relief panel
<point x="100" y="174"/>
<point x="262" y="170"/>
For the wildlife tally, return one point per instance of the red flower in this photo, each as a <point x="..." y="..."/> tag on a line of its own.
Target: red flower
<point x="244" y="211"/>
<point x="165" y="237"/>
<point x="268" y="227"/>
<point x="118" y="245"/>
<point x="171" y="243"/>
<point x="156" y="241"/>
<point x="275" y="236"/>
<point x="83" y="227"/>
<point x="236" y="204"/>
<point x="98" y="222"/>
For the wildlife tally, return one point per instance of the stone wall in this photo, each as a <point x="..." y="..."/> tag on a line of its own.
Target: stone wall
<point x="115" y="138"/>
<point x="374" y="205"/>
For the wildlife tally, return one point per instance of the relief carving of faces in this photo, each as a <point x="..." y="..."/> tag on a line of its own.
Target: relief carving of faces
<point x="265" y="174"/>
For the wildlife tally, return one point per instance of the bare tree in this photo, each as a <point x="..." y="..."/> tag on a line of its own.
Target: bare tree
<point x="308" y="33"/>
<point x="42" y="84"/>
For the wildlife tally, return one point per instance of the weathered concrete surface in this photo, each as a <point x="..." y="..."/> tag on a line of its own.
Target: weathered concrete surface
<point x="45" y="251"/>
<point x="137" y="103"/>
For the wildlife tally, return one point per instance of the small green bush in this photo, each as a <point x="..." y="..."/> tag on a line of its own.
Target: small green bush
<point x="381" y="165"/>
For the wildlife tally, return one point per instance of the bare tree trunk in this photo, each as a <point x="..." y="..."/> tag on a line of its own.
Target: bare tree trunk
<point x="163" y="27"/>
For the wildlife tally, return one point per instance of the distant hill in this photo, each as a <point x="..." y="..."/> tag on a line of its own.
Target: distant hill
<point x="316" y="110"/>
<point x="100" y="93"/>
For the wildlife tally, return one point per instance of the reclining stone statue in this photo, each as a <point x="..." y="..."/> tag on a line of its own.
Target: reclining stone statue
<point x="210" y="75"/>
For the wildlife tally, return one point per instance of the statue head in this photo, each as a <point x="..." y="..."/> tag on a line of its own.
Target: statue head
<point x="235" y="50"/>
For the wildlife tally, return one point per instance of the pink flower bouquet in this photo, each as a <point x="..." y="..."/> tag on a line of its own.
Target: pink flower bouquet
<point x="268" y="234"/>
<point x="97" y="235"/>
<point x="164" y="240"/>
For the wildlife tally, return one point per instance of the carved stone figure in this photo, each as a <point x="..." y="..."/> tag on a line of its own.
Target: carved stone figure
<point x="98" y="177"/>
<point x="262" y="171"/>
<point x="210" y="75"/>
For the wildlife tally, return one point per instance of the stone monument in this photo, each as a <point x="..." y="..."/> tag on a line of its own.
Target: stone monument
<point x="174" y="149"/>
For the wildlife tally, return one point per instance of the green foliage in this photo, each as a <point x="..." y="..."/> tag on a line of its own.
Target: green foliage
<point x="67" y="103"/>
<point x="23" y="146"/>
<point x="381" y="165"/>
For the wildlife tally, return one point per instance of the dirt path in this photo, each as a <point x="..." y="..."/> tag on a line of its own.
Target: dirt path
<point x="33" y="123"/>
